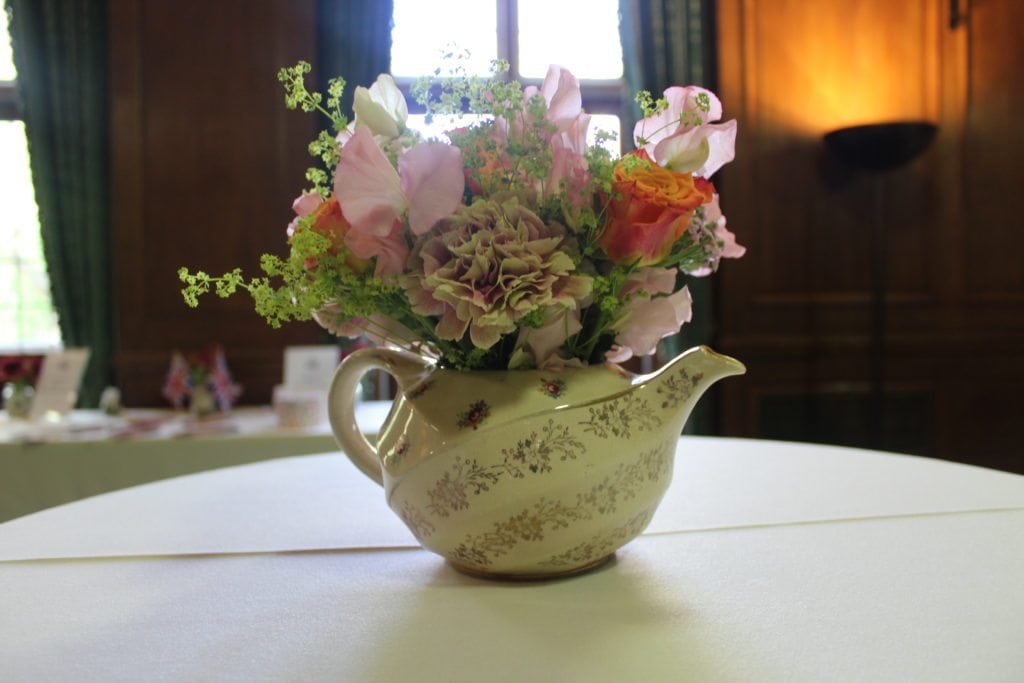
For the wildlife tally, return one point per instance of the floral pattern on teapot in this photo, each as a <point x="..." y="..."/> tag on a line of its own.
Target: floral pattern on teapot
<point x="527" y="473"/>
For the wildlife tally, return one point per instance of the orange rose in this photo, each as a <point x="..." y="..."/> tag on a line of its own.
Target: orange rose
<point x="651" y="209"/>
<point x="331" y="223"/>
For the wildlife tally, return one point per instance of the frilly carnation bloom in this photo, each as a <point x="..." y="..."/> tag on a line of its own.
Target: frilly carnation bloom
<point x="651" y="210"/>
<point x="489" y="266"/>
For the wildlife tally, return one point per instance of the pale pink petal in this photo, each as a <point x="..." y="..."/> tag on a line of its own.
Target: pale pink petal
<point x="561" y="90"/>
<point x="666" y="123"/>
<point x="382" y="330"/>
<point x="433" y="181"/>
<point x="372" y="115"/>
<point x="721" y="139"/>
<point x="650" y="280"/>
<point x="713" y="209"/>
<point x="332" y="318"/>
<point x="391" y="250"/>
<point x="381" y="107"/>
<point x="649" y="320"/>
<point x="684" y="152"/>
<point x="544" y="341"/>
<point x="387" y="93"/>
<point x="618" y="354"/>
<point x="367" y="186"/>
<point x="345" y="134"/>
<point x="575" y="134"/>
<point x="306" y="203"/>
<point x="731" y="248"/>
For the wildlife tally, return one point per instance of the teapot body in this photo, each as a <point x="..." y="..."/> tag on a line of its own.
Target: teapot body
<point x="528" y="473"/>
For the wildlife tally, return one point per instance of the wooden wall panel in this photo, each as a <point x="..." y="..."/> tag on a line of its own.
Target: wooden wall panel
<point x="993" y="143"/>
<point x="796" y="309"/>
<point x="206" y="161"/>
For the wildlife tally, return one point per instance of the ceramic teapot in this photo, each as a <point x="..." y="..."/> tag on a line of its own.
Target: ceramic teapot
<point x="524" y="473"/>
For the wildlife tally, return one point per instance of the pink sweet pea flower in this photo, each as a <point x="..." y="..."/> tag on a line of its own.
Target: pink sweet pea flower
<point x="381" y="107"/>
<point x="682" y="137"/>
<point x="647" y="320"/>
<point x="390" y="250"/>
<point x="305" y="204"/>
<point x="649" y="281"/>
<point x="545" y="341"/>
<point x="729" y="248"/>
<point x="568" y="162"/>
<point x="368" y="186"/>
<point x="432" y="181"/>
<point x="375" y="197"/>
<point x="561" y="90"/>
<point x="377" y="328"/>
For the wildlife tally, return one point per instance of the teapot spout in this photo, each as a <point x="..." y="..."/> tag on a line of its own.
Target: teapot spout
<point x="682" y="381"/>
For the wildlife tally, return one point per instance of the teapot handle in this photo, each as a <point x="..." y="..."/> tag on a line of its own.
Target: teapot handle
<point x="341" y="400"/>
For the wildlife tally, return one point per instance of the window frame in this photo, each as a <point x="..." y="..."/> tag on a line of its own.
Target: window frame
<point x="600" y="96"/>
<point x="10" y="105"/>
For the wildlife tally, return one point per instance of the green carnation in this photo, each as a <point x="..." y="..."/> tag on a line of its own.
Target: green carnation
<point x="490" y="265"/>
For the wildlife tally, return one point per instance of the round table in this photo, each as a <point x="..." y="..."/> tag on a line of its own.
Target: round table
<point x="767" y="561"/>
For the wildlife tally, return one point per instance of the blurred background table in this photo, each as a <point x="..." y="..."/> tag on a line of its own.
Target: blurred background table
<point x="767" y="561"/>
<point x="43" y="464"/>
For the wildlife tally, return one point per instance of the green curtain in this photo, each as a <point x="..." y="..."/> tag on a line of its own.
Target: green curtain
<point x="666" y="43"/>
<point x="354" y="41"/>
<point x="60" y="52"/>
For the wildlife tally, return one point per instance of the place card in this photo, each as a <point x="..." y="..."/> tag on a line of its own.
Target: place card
<point x="301" y="401"/>
<point x="310" y="367"/>
<point x="59" y="379"/>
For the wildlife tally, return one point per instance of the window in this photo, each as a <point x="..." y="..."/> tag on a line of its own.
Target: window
<point x="27" y="319"/>
<point x="580" y="35"/>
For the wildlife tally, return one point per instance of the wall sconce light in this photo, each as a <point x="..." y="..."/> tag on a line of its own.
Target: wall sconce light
<point x="880" y="147"/>
<point x="876" y="149"/>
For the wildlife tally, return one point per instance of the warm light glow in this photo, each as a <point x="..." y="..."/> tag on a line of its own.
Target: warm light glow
<point x="822" y="66"/>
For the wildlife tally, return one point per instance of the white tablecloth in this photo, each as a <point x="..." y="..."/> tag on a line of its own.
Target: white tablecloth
<point x="767" y="562"/>
<point x="45" y="464"/>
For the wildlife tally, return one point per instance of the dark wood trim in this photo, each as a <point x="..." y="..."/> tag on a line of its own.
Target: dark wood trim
<point x="10" y="104"/>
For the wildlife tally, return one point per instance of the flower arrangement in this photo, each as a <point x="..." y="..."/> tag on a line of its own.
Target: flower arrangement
<point x="198" y="377"/>
<point x="20" y="369"/>
<point x="512" y="244"/>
